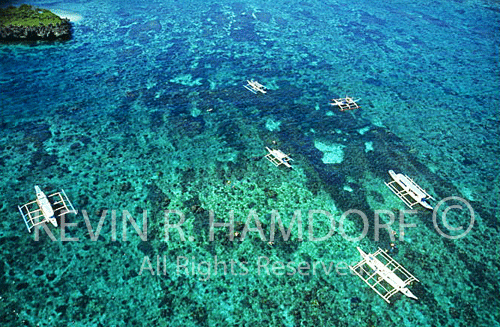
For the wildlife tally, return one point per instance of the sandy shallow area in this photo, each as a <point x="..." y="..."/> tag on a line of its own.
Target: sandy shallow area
<point x="72" y="16"/>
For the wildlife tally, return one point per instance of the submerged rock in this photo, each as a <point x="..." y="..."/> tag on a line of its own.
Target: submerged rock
<point x="31" y="23"/>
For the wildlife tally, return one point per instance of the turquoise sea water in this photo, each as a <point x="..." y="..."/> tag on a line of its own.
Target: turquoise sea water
<point x="144" y="110"/>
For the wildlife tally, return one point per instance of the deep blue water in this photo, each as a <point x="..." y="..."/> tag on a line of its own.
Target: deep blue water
<point x="144" y="110"/>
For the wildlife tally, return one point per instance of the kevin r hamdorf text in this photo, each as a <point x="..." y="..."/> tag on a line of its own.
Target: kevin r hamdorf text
<point x="205" y="269"/>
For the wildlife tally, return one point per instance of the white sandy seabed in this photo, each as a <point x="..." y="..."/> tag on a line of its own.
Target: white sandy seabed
<point x="72" y="16"/>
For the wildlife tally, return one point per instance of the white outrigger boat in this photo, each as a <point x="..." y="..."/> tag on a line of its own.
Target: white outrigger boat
<point x="384" y="275"/>
<point x="254" y="87"/>
<point x="408" y="191"/>
<point x="45" y="208"/>
<point x="277" y="157"/>
<point x="346" y="103"/>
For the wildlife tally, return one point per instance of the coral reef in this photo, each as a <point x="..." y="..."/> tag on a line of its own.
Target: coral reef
<point x="144" y="117"/>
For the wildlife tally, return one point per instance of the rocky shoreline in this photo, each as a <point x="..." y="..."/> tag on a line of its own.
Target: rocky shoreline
<point x="60" y="31"/>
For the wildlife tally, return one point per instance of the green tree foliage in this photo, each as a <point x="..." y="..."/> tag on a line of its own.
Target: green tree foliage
<point x="26" y="15"/>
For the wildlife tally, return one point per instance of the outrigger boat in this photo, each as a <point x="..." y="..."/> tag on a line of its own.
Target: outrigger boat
<point x="45" y="208"/>
<point x="408" y="191"/>
<point x="277" y="157"/>
<point x="384" y="275"/>
<point x="254" y="87"/>
<point x="346" y="103"/>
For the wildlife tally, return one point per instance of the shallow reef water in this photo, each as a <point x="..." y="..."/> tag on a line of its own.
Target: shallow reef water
<point x="144" y="112"/>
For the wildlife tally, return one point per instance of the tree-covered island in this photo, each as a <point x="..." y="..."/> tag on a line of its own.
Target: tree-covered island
<point x="30" y="23"/>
